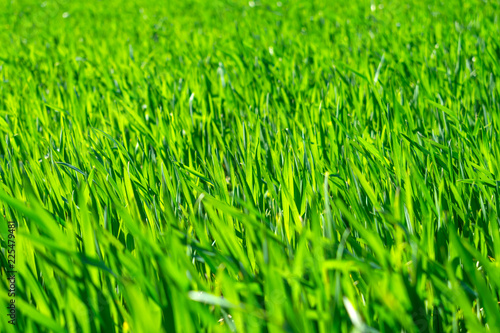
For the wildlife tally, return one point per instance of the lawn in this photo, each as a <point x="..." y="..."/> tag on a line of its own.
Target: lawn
<point x="261" y="166"/>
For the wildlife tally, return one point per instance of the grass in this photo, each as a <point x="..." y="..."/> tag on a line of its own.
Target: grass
<point x="219" y="166"/>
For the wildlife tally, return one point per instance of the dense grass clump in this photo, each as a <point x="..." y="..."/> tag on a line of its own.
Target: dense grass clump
<point x="262" y="166"/>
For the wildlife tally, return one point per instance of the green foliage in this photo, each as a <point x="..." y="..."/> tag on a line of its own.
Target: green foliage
<point x="218" y="166"/>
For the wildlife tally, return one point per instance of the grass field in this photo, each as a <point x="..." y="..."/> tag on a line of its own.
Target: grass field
<point x="262" y="166"/>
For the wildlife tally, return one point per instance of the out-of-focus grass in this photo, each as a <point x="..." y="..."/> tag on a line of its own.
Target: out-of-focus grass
<point x="292" y="166"/>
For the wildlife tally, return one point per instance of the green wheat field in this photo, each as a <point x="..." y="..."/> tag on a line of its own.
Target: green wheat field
<point x="263" y="166"/>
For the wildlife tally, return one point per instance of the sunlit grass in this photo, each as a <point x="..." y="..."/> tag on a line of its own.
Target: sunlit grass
<point x="292" y="166"/>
